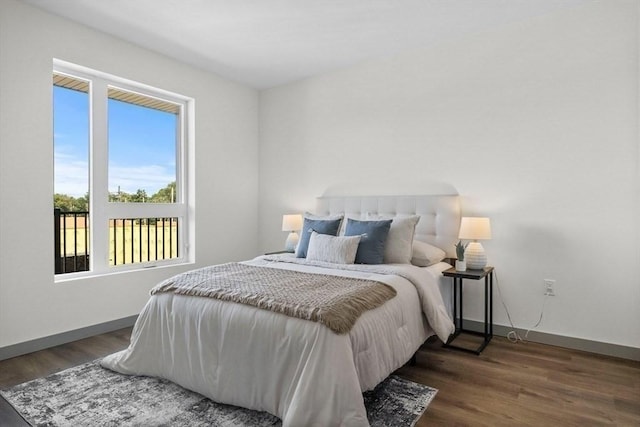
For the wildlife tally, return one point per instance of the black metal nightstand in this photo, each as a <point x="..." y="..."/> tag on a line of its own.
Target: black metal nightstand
<point x="458" y="276"/>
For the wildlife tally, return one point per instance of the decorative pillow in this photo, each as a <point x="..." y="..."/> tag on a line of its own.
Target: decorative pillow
<point x="374" y="236"/>
<point x="338" y="250"/>
<point x="425" y="254"/>
<point x="399" y="247"/>
<point x="330" y="226"/>
<point x="323" y="217"/>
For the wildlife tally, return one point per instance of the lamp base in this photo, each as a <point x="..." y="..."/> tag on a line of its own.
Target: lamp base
<point x="475" y="257"/>
<point x="291" y="242"/>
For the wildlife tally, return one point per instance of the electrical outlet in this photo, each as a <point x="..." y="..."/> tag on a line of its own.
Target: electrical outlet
<point x="549" y="287"/>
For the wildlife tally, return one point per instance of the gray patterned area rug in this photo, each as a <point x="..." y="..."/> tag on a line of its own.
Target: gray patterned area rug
<point x="89" y="395"/>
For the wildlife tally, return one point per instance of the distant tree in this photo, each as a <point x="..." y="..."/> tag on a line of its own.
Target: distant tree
<point x="63" y="202"/>
<point x="83" y="202"/>
<point x="116" y="197"/>
<point x="139" y="197"/>
<point x="124" y="197"/>
<point x="166" y="194"/>
<point x="67" y="203"/>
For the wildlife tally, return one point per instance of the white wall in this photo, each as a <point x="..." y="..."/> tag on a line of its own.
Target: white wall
<point x="226" y="172"/>
<point x="535" y="124"/>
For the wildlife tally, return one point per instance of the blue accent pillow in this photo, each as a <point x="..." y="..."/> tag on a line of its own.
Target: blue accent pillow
<point x="320" y="226"/>
<point x="374" y="236"/>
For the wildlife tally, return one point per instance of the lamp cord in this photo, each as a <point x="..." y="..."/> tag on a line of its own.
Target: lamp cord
<point x="513" y="335"/>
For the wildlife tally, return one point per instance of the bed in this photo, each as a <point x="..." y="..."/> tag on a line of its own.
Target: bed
<point x="301" y="370"/>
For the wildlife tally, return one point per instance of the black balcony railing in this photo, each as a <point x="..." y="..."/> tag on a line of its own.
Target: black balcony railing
<point x="71" y="241"/>
<point x="134" y="240"/>
<point x="131" y="240"/>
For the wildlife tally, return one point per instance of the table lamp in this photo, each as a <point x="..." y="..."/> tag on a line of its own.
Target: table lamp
<point x="291" y="223"/>
<point x="475" y="228"/>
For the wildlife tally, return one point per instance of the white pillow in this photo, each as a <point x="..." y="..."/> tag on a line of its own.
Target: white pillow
<point x="399" y="246"/>
<point x="334" y="249"/>
<point x="425" y="254"/>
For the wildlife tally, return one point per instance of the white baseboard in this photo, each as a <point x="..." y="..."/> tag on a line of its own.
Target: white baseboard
<point x="606" y="349"/>
<point x="65" y="337"/>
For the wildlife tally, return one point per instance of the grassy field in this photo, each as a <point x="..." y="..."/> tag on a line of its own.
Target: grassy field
<point x="148" y="240"/>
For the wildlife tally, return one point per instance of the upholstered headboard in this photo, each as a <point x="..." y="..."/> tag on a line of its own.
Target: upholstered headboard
<point x="439" y="215"/>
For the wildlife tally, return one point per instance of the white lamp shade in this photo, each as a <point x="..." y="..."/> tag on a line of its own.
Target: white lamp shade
<point x="291" y="222"/>
<point x="475" y="228"/>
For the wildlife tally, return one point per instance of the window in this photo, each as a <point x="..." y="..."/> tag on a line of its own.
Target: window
<point x="120" y="188"/>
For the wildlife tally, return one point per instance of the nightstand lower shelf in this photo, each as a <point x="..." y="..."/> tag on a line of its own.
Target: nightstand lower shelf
<point x="476" y="351"/>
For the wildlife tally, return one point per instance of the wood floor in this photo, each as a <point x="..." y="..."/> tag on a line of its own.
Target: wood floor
<point x="509" y="384"/>
<point x="527" y="384"/>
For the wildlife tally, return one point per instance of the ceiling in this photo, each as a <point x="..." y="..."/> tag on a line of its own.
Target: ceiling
<point x="266" y="43"/>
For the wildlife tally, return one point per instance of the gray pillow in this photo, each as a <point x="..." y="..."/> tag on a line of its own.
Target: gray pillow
<point x="320" y="226"/>
<point x="374" y="236"/>
<point x="399" y="247"/>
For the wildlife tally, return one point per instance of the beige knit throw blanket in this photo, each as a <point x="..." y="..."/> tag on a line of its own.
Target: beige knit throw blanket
<point x="333" y="301"/>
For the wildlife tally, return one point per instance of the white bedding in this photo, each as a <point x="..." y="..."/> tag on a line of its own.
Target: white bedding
<point x="296" y="369"/>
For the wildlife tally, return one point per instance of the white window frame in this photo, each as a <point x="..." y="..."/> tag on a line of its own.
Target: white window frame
<point x="100" y="209"/>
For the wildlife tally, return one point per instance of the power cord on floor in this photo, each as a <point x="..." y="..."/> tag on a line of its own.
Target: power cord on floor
<point x="513" y="335"/>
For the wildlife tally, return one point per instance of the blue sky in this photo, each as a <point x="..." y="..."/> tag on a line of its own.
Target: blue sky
<point x="142" y="145"/>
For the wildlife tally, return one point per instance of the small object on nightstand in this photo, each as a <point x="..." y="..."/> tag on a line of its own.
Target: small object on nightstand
<point x="461" y="264"/>
<point x="457" y="276"/>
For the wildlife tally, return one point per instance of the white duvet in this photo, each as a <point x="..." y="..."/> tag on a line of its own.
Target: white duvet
<point x="296" y="369"/>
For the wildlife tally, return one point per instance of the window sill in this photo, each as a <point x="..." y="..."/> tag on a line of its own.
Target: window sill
<point x="87" y="275"/>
